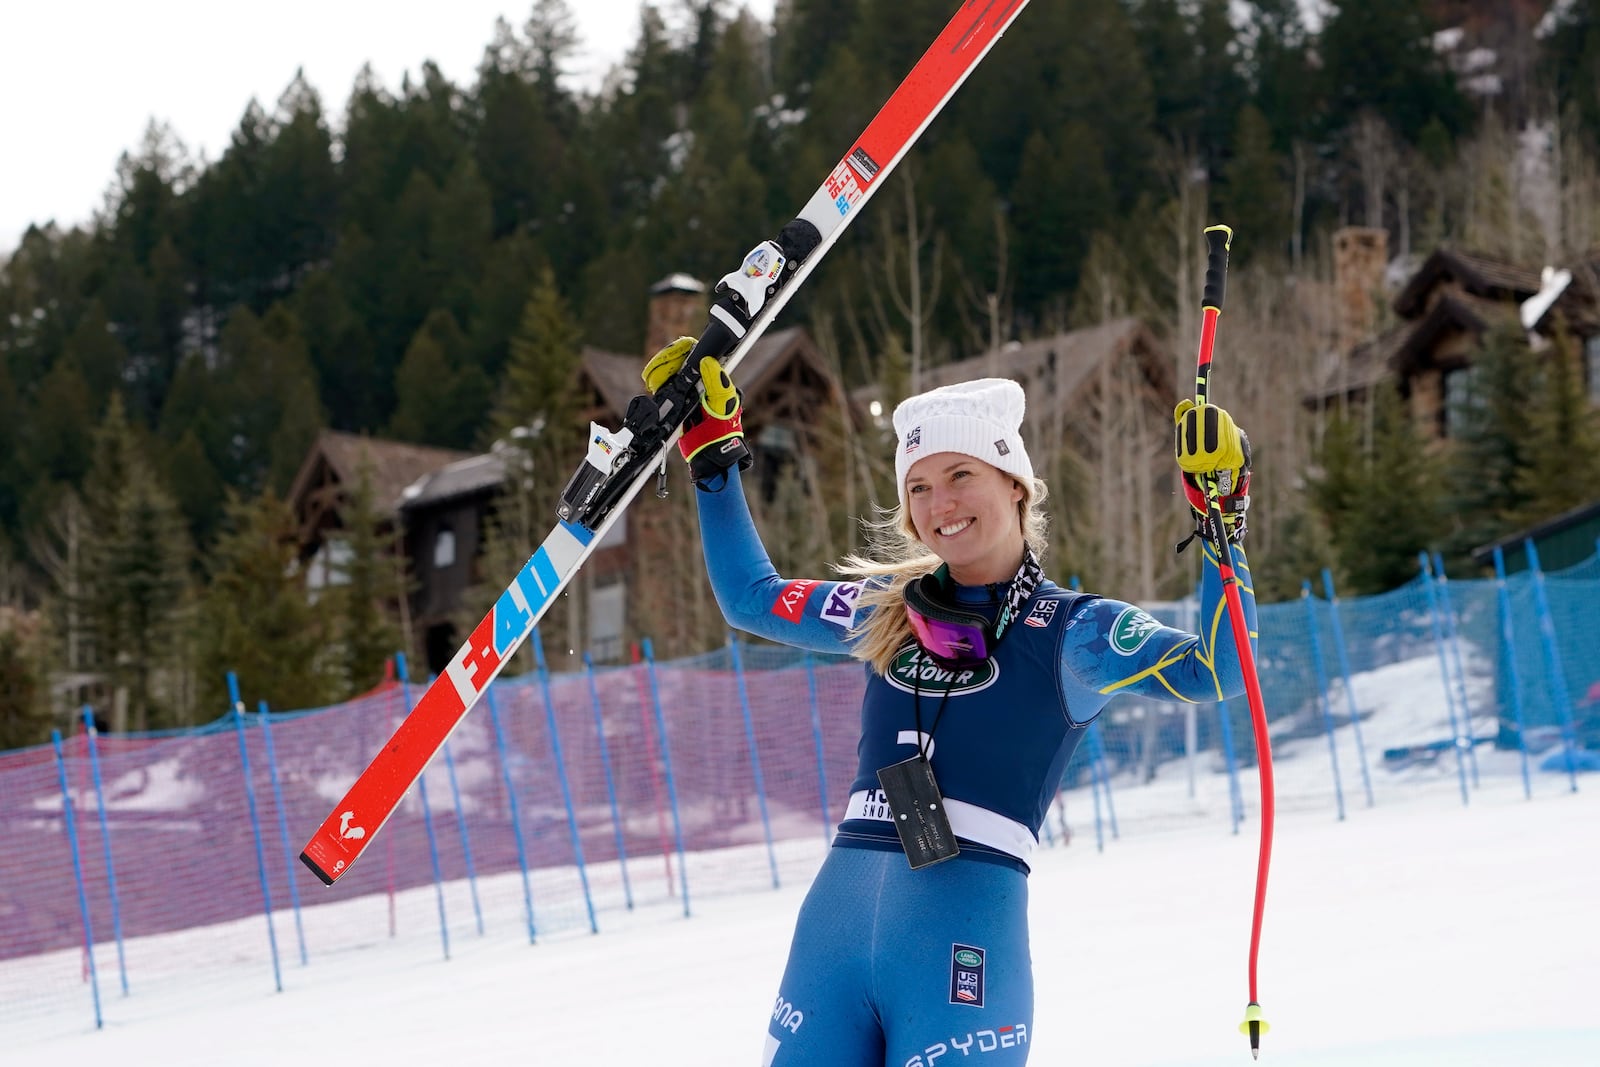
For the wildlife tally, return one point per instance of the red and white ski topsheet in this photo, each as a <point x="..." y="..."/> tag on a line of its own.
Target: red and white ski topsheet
<point x="347" y="831"/>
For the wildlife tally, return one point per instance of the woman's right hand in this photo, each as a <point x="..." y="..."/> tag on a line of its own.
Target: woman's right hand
<point x="713" y="435"/>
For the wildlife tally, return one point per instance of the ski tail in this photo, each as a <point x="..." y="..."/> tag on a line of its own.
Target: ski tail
<point x="746" y="302"/>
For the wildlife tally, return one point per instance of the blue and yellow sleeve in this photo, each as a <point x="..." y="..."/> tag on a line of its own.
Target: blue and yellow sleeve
<point x="803" y="612"/>
<point x="1112" y="647"/>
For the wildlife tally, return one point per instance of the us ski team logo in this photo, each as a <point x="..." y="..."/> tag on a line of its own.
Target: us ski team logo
<point x="914" y="671"/>
<point x="1131" y="630"/>
<point x="1043" y="613"/>
<point x="966" y="975"/>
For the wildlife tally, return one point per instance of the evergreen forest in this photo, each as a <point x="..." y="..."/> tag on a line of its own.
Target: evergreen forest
<point x="423" y="262"/>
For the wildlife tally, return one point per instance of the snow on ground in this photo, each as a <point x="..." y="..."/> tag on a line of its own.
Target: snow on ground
<point x="1420" y="932"/>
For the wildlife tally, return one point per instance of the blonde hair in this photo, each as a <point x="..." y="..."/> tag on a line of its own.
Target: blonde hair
<point x="896" y="553"/>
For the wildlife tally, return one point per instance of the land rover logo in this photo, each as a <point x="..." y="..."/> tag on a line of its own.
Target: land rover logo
<point x="915" y="671"/>
<point x="1131" y="630"/>
<point x="967" y="958"/>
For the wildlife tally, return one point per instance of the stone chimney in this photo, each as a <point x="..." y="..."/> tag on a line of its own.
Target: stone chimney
<point x="1360" y="256"/>
<point x="677" y="309"/>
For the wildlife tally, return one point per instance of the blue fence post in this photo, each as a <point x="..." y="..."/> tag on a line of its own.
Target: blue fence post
<point x="1508" y="638"/>
<point x="1235" y="795"/>
<point x="514" y="802"/>
<point x="816" y="736"/>
<point x="1097" y="749"/>
<point x="427" y="812"/>
<point x="1552" y="657"/>
<point x="1444" y="670"/>
<point x="1322" y="688"/>
<point x="67" y="808"/>
<point x="1349" y="686"/>
<point x="666" y="763"/>
<point x="611" y="782"/>
<point x="261" y="850"/>
<point x="1452" y="636"/>
<point x="755" y="755"/>
<point x="289" y="866"/>
<point x="1094" y="792"/>
<point x="92" y="742"/>
<point x="466" y="839"/>
<point x="561" y="776"/>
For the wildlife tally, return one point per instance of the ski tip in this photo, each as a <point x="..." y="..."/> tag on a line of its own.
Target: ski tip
<point x="322" y="875"/>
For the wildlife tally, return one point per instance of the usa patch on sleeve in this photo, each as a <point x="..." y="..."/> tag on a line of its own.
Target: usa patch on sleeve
<point x="841" y="606"/>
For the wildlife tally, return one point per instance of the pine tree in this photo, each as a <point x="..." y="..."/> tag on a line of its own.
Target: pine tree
<point x="339" y="346"/>
<point x="1572" y="52"/>
<point x="135" y="572"/>
<point x="1380" y="500"/>
<point x="442" y="398"/>
<point x="255" y="618"/>
<point x="24" y="708"/>
<point x="1063" y="192"/>
<point x="196" y="487"/>
<point x="532" y="426"/>
<point x="53" y="442"/>
<point x="537" y="391"/>
<point x="259" y="402"/>
<point x="1563" y="470"/>
<point x="96" y="352"/>
<point x="1491" y="440"/>
<point x="1299" y="549"/>
<point x="1254" y="191"/>
<point x="1379" y="57"/>
<point x="150" y="561"/>
<point x="372" y="589"/>
<point x="1276" y="65"/>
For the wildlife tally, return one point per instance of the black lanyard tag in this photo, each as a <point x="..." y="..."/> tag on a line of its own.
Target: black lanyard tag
<point x="918" y="810"/>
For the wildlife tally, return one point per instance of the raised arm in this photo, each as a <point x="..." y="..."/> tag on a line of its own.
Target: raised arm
<point x="1113" y="647"/>
<point x="805" y="612"/>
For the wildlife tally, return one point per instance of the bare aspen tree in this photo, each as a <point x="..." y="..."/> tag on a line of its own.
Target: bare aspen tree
<point x="992" y="300"/>
<point x="58" y="550"/>
<point x="914" y="300"/>
<point x="1302" y="154"/>
<point x="1376" y="158"/>
<point x="1186" y="219"/>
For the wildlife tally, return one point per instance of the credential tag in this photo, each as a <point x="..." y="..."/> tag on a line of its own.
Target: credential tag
<point x="918" y="809"/>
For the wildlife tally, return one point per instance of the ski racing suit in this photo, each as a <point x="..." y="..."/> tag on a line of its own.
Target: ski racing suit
<point x="894" y="967"/>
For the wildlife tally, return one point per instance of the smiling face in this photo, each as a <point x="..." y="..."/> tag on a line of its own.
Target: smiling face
<point x="966" y="511"/>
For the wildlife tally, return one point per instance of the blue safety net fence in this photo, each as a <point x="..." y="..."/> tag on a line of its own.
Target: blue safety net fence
<point x="133" y="863"/>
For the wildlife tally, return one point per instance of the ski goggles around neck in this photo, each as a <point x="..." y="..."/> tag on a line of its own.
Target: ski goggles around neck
<point x="954" y="634"/>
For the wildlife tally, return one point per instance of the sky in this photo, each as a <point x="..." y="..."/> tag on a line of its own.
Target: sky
<point x="81" y="80"/>
<point x="1413" y="932"/>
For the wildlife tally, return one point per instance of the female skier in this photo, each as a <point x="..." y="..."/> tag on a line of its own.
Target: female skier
<point x="911" y="948"/>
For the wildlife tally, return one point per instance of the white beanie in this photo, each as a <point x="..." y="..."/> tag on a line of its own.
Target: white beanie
<point x="980" y="418"/>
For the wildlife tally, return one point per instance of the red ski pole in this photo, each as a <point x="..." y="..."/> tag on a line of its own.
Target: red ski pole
<point x="1218" y="240"/>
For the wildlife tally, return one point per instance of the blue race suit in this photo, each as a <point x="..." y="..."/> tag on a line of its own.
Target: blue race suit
<point x="891" y="967"/>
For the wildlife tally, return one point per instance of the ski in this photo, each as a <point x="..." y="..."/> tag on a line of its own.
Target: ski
<point x="619" y="463"/>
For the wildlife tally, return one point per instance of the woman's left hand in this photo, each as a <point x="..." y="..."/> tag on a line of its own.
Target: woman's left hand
<point x="1213" y="451"/>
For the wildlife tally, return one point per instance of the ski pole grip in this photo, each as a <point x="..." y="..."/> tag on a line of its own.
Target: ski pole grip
<point x="1218" y="240"/>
